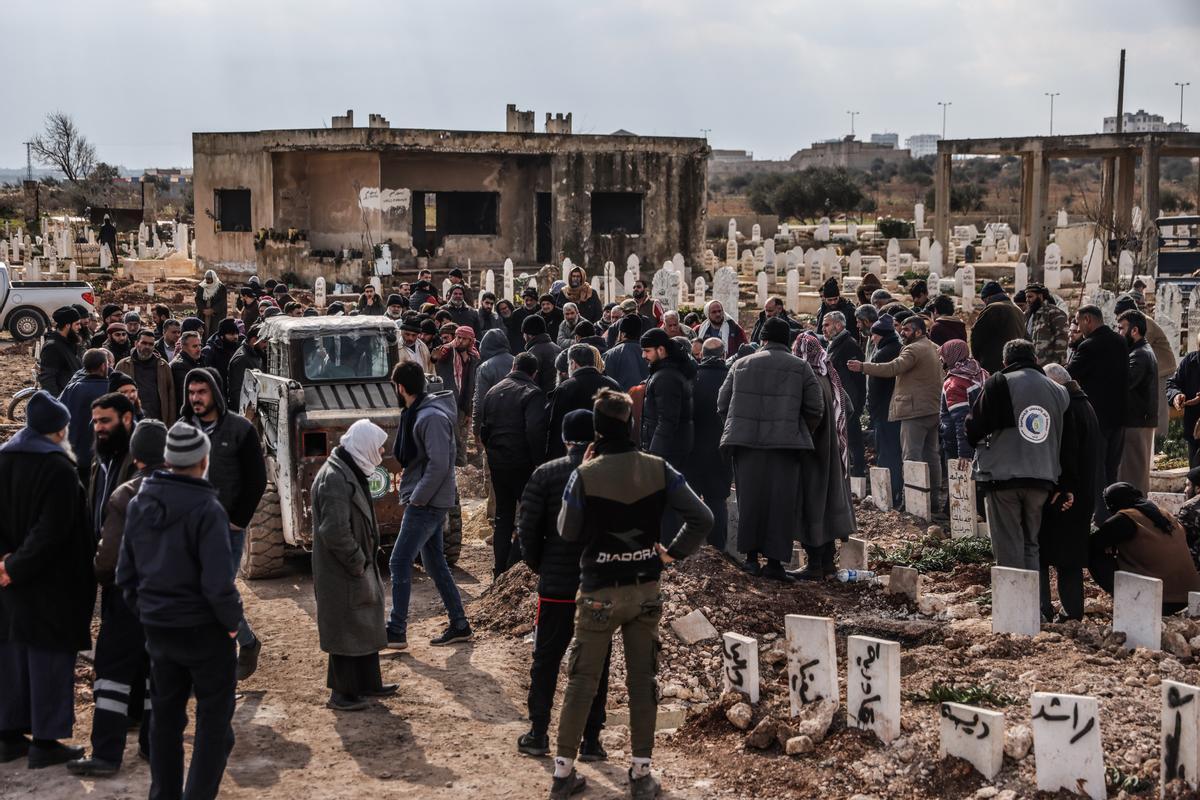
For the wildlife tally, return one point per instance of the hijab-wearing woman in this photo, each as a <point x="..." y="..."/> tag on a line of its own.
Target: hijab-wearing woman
<point x="346" y="580"/>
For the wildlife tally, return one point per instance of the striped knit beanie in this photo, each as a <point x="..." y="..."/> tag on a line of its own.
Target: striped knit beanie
<point x="186" y="446"/>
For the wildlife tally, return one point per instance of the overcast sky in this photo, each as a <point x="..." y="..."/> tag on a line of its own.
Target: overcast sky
<point x="771" y="77"/>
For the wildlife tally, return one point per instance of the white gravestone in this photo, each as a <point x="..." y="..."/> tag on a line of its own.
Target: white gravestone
<point x="937" y="260"/>
<point x="962" y="499"/>
<point x="1193" y="317"/>
<point x="741" y="664"/>
<point x="731" y="251"/>
<point x="631" y="277"/>
<point x="725" y="290"/>
<point x="1170" y="502"/>
<point x="489" y="281"/>
<point x="830" y="266"/>
<point x="1002" y="249"/>
<point x="732" y="234"/>
<point x="916" y="489"/>
<point x="858" y="486"/>
<point x="821" y="234"/>
<point x="1066" y="744"/>
<point x="968" y="287"/>
<point x="1180" y="734"/>
<point x="972" y="734"/>
<point x="760" y="259"/>
<point x="700" y="288"/>
<point x="1168" y="312"/>
<point x="893" y="259"/>
<point x="853" y="554"/>
<point x="812" y="267"/>
<point x="665" y="288"/>
<point x="856" y="264"/>
<point x="1137" y="609"/>
<point x="769" y="254"/>
<point x="181" y="237"/>
<point x="1062" y="221"/>
<point x="1014" y="245"/>
<point x="923" y="251"/>
<point x="509" y="279"/>
<point x="1193" y="609"/>
<point x="1125" y="266"/>
<point x="755" y="233"/>
<point x="919" y="215"/>
<point x="762" y="289"/>
<point x="812" y="662"/>
<point x="634" y="264"/>
<point x="678" y="263"/>
<point x="873" y="686"/>
<point x="1016" y="604"/>
<point x="793" y="290"/>
<point x="881" y="488"/>
<point x="1020" y="277"/>
<point x="747" y="262"/>
<point x="319" y="292"/>
<point x="1093" y="260"/>
<point x="852" y="231"/>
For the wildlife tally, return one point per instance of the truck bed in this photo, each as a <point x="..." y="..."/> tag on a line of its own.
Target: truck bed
<point x="49" y="284"/>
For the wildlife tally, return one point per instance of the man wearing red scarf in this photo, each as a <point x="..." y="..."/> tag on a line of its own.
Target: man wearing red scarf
<point x="455" y="363"/>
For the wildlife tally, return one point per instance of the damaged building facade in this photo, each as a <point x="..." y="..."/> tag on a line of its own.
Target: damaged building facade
<point x="445" y="197"/>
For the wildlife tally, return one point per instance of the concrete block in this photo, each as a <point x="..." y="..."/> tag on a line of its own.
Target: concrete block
<point x="741" y="665"/>
<point x="858" y="487"/>
<point x="973" y="734"/>
<point x="1137" y="609"/>
<point x="873" y="686"/>
<point x="812" y="661"/>
<point x="1016" y="602"/>
<point x="1066" y="744"/>
<point x="693" y="627"/>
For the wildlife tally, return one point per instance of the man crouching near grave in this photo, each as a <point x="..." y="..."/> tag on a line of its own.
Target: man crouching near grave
<point x="613" y="504"/>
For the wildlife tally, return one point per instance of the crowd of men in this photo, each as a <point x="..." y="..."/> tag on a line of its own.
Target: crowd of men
<point x="613" y="435"/>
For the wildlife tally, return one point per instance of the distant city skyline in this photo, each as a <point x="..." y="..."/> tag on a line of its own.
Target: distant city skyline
<point x="140" y="77"/>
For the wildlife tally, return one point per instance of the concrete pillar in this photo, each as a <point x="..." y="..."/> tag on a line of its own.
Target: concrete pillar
<point x="149" y="200"/>
<point x="1040" y="190"/>
<point x="1150" y="153"/>
<point x="33" y="211"/>
<point x="1124" y="193"/>
<point x="1026" y="197"/>
<point x="941" y="213"/>
<point x="1107" y="190"/>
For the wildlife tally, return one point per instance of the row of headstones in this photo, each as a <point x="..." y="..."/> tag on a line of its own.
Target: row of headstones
<point x="1066" y="727"/>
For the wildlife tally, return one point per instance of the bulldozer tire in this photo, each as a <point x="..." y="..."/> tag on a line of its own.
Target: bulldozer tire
<point x="264" y="539"/>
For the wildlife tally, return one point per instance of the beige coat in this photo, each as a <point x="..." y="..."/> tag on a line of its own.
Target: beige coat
<point x="918" y="374"/>
<point x="1161" y="347"/>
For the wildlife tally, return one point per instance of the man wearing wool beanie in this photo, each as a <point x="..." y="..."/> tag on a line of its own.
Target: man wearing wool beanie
<point x="46" y="586"/>
<point x="174" y="571"/>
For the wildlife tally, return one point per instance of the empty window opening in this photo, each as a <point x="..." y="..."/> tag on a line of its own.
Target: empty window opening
<point x="616" y="212"/>
<point x="468" y="213"/>
<point x="233" y="210"/>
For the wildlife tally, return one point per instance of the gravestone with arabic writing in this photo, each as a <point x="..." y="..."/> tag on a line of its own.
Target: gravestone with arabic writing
<point x="725" y="290"/>
<point x="755" y="233"/>
<point x="1016" y="606"/>
<point x="973" y="734"/>
<point x="1180" y="734"/>
<point x="700" y="290"/>
<point x="962" y="499"/>
<point x="665" y="287"/>
<point x="1066" y="744"/>
<point x="873" y="686"/>
<point x="812" y="662"/>
<point x="509" y="280"/>
<point x="1170" y="502"/>
<point x="740" y="667"/>
<point x="1137" y="609"/>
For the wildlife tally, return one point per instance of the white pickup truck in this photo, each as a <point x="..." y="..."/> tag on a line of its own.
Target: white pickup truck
<point x="27" y="306"/>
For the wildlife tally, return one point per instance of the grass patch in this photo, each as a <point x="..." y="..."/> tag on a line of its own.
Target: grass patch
<point x="934" y="555"/>
<point x="974" y="694"/>
<point x="1120" y="781"/>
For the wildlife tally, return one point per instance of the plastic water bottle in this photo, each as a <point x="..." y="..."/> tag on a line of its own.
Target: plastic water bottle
<point x="856" y="576"/>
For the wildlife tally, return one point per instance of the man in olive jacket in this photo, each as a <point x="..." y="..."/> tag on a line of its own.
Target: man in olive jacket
<point x="771" y="402"/>
<point x="916" y="399"/>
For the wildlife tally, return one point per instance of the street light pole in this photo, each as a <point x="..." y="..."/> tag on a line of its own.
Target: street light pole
<point x="852" y="114"/>
<point x="1181" y="85"/>
<point x="705" y="131"/>
<point x="945" y="105"/>
<point x="1052" y="95"/>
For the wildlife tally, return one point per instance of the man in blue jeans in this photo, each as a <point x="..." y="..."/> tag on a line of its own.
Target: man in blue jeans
<point x="425" y="450"/>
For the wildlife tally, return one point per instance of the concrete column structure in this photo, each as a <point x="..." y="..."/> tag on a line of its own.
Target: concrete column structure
<point x="1036" y="237"/>
<point x="941" y="211"/>
<point x="1124" y="195"/>
<point x="33" y="211"/>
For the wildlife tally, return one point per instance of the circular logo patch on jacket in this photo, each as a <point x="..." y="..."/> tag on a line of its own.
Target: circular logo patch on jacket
<point x="1034" y="424"/>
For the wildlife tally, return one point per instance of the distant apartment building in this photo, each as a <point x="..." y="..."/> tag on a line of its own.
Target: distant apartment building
<point x="1142" y="121"/>
<point x="922" y="144"/>
<point x="886" y="139"/>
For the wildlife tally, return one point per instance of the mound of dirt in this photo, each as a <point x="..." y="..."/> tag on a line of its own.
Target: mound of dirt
<point x="509" y="604"/>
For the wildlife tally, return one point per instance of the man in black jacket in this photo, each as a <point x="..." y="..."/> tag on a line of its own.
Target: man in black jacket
<point x="60" y="358"/>
<point x="832" y="300"/>
<point x="512" y="427"/>
<point x="1100" y="366"/>
<point x="557" y="564"/>
<point x="174" y="572"/>
<point x="251" y="355"/>
<point x="576" y="392"/>
<point x="460" y="312"/>
<point x="47" y="591"/>
<point x="1141" y="410"/>
<point x="667" y="429"/>
<point x="1183" y="392"/>
<point x="879" y="398"/>
<point x="190" y="356"/>
<point x="239" y="474"/>
<point x="707" y="471"/>
<point x="774" y="308"/>
<point x="538" y="342"/>
<point x="220" y="349"/>
<point x="843" y="346"/>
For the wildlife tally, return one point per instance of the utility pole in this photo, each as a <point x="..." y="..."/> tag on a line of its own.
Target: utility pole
<point x="945" y="105"/>
<point x="1181" y="85"/>
<point x="28" y="161"/>
<point x="1121" y="95"/>
<point x="705" y="131"/>
<point x="854" y="114"/>
<point x="1052" y="95"/>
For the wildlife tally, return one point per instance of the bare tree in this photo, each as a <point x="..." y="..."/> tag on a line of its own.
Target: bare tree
<point x="62" y="145"/>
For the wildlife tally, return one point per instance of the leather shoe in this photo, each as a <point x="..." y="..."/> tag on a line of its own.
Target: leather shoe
<point x="48" y="756"/>
<point x="386" y="690"/>
<point x="93" y="767"/>
<point x="11" y="750"/>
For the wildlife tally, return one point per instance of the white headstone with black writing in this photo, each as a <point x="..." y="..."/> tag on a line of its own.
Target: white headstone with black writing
<point x="319" y="292"/>
<point x="973" y="734"/>
<point x="812" y="661"/>
<point x="916" y="489"/>
<point x="509" y="279"/>
<point x="968" y="287"/>
<point x="731" y="251"/>
<point x="873" y="686"/>
<point x="962" y="498"/>
<point x="881" y="488"/>
<point x="665" y="288"/>
<point x="1180" y="734"/>
<point x="741" y="664"/>
<point x="1015" y="601"/>
<point x="1137" y="609"/>
<point x="699" y="289"/>
<point x="725" y="290"/>
<point x="1066" y="744"/>
<point x="755" y="233"/>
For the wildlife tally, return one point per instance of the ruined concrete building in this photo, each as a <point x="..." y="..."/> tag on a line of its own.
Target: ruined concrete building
<point x="448" y="196"/>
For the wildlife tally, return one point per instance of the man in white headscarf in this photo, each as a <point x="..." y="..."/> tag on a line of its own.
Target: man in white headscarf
<point x="346" y="580"/>
<point x="212" y="302"/>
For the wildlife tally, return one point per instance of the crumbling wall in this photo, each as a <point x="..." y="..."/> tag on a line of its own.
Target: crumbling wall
<point x="230" y="161"/>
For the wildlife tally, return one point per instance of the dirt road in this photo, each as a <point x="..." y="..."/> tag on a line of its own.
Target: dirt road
<point x="449" y="733"/>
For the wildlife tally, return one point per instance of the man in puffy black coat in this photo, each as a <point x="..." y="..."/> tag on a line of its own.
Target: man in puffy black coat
<point x="556" y="562"/>
<point x="220" y="350"/>
<point x="251" y="355"/>
<point x="667" y="428"/>
<point x="575" y="392"/>
<point x="707" y="471"/>
<point x="512" y="427"/>
<point x="60" y="357"/>
<point x="1141" y="406"/>
<point x="47" y="589"/>
<point x="538" y="342"/>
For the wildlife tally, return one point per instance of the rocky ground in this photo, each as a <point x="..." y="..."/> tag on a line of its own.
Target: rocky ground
<point x="450" y="731"/>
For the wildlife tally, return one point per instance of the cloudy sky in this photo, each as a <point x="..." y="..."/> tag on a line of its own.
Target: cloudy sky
<point x="769" y="77"/>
